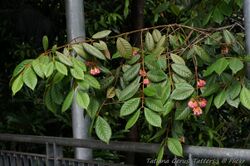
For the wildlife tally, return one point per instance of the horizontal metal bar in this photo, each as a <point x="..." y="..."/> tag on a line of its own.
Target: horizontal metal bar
<point x="196" y="151"/>
<point x="220" y="153"/>
<point x="93" y="144"/>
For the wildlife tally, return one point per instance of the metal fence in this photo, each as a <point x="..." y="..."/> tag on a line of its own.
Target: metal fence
<point x="194" y="155"/>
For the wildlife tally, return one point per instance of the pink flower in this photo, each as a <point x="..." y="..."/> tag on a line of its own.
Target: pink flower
<point x="95" y="71"/>
<point x="202" y="102"/>
<point x="146" y="81"/>
<point x="197" y="111"/>
<point x="192" y="103"/>
<point x="201" y="83"/>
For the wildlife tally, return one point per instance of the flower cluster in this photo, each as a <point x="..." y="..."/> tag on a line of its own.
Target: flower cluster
<point x="197" y="104"/>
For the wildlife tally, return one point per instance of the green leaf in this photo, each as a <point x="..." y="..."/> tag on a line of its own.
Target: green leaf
<point x="210" y="89"/>
<point x="57" y="78"/>
<point x="220" y="99"/>
<point x="102" y="129"/>
<point x="83" y="85"/>
<point x="130" y="106"/>
<point x="110" y="93"/>
<point x="154" y="104"/>
<point x="61" y="68"/>
<point x="202" y="53"/>
<point x="82" y="99"/>
<point x="134" y="59"/>
<point x="177" y="59"/>
<point x="77" y="73"/>
<point x="124" y="48"/>
<point x="64" y="59"/>
<point x="182" y="70"/>
<point x="37" y="67"/>
<point x="217" y="16"/>
<point x="101" y="45"/>
<point x="93" y="108"/>
<point x="174" y="41"/>
<point x="93" y="51"/>
<point x="182" y="113"/>
<point x="152" y="118"/>
<point x="133" y="120"/>
<point x="19" y="68"/>
<point x="45" y="43"/>
<point x="182" y="91"/>
<point x="245" y="97"/>
<point x="48" y="100"/>
<point x="150" y="91"/>
<point x="235" y="65"/>
<point x="168" y="107"/>
<point x="150" y="63"/>
<point x="149" y="41"/>
<point x="56" y="94"/>
<point x="107" y="82"/>
<point x="161" y="42"/>
<point x="48" y="70"/>
<point x="132" y="72"/>
<point x="54" y="48"/>
<point x="17" y="84"/>
<point x="29" y="78"/>
<point x="175" y="147"/>
<point x="68" y="101"/>
<point x="162" y="61"/>
<point x="92" y="81"/>
<point x="77" y="62"/>
<point x="234" y="89"/>
<point x="44" y="59"/>
<point x="130" y="90"/>
<point x="156" y="75"/>
<point x="234" y="103"/>
<point x="156" y="35"/>
<point x="228" y="37"/>
<point x="209" y="103"/>
<point x="220" y="65"/>
<point x="225" y="8"/>
<point x="160" y="156"/>
<point x="78" y="48"/>
<point x="101" y="34"/>
<point x="177" y="79"/>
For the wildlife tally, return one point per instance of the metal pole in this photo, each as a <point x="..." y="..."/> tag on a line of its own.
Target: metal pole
<point x="247" y="30"/>
<point x="76" y="32"/>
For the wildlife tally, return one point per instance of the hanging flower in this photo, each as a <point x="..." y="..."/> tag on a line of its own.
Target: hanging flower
<point x="197" y="111"/>
<point x="95" y="71"/>
<point x="202" y="102"/>
<point x="146" y="81"/>
<point x="192" y="103"/>
<point x="201" y="83"/>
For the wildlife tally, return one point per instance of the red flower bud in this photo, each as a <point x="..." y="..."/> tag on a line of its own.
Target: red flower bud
<point x="201" y="83"/>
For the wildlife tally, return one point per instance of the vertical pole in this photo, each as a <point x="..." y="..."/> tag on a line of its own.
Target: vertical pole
<point x="76" y="32"/>
<point x="247" y="30"/>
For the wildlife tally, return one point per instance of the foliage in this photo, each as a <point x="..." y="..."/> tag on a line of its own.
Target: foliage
<point x="177" y="70"/>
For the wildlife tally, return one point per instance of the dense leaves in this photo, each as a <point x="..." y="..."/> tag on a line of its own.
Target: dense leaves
<point x="177" y="79"/>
